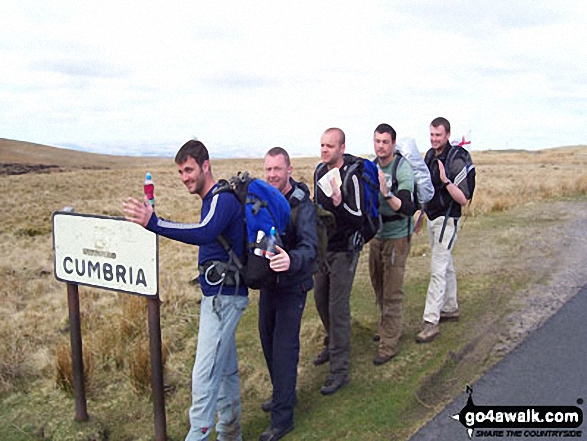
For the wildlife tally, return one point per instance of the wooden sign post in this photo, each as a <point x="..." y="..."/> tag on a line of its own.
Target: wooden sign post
<point x="113" y="254"/>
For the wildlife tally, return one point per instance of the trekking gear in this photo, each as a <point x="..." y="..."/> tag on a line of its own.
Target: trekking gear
<point x="333" y="384"/>
<point x="264" y="207"/>
<point x="367" y="171"/>
<point x="452" y="316"/>
<point x="322" y="357"/>
<point x="275" y="433"/>
<point x="370" y="178"/>
<point x="406" y="149"/>
<point x="467" y="172"/>
<point x="382" y="359"/>
<point x="429" y="332"/>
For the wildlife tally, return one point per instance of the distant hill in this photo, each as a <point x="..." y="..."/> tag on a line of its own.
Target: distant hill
<point x="30" y="154"/>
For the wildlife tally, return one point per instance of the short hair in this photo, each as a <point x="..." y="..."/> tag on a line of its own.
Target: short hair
<point x="337" y="130"/>
<point x="279" y="151"/>
<point x="440" y="121"/>
<point x="193" y="149"/>
<point x="386" y="128"/>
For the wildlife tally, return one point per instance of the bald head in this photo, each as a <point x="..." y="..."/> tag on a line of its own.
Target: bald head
<point x="335" y="131"/>
<point x="332" y="146"/>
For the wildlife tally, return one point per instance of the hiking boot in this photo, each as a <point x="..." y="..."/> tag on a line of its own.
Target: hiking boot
<point x="267" y="406"/>
<point x="333" y="384"/>
<point x="382" y="359"/>
<point x="322" y="357"/>
<point x="452" y="316"/>
<point x="376" y="337"/>
<point x="429" y="332"/>
<point x="275" y="433"/>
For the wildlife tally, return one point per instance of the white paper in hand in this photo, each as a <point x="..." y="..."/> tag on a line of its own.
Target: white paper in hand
<point x="324" y="182"/>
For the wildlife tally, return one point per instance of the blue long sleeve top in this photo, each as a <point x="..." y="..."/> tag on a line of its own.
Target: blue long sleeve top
<point x="220" y="214"/>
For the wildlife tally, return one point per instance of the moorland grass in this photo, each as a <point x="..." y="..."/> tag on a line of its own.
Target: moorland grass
<point x="385" y="402"/>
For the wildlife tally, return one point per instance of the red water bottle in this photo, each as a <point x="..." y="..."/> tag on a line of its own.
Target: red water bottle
<point x="149" y="188"/>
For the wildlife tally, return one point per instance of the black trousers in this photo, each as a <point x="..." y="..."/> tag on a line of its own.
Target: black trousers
<point x="280" y="316"/>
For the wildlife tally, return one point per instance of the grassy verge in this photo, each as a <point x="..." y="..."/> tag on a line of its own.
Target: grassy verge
<point x="496" y="256"/>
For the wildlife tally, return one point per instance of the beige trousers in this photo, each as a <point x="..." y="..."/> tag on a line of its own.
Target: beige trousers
<point x="442" y="290"/>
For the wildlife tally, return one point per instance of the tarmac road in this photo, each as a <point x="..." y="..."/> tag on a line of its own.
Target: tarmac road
<point x="548" y="369"/>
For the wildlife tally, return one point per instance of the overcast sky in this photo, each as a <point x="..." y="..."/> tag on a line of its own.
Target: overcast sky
<point x="143" y="77"/>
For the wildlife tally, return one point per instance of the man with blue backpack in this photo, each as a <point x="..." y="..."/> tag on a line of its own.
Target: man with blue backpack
<point x="453" y="176"/>
<point x="215" y="378"/>
<point x="343" y="195"/>
<point x="389" y="249"/>
<point x="281" y="305"/>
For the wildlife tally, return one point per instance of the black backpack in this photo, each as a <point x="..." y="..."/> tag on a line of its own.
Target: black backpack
<point x="367" y="171"/>
<point x="467" y="172"/>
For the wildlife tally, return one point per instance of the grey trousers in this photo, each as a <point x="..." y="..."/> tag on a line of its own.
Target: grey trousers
<point x="332" y="292"/>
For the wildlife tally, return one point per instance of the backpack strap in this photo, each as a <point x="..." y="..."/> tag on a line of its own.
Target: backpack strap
<point x="234" y="264"/>
<point x="222" y="186"/>
<point x="448" y="161"/>
<point x="454" y="233"/>
<point x="445" y="221"/>
<point x="398" y="160"/>
<point x="354" y="165"/>
<point x="319" y="168"/>
<point x="452" y="154"/>
<point x="396" y="163"/>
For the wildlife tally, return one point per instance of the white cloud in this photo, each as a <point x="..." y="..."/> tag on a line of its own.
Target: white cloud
<point x="137" y="77"/>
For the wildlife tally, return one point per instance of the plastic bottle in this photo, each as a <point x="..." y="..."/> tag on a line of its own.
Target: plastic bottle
<point x="271" y="249"/>
<point x="149" y="189"/>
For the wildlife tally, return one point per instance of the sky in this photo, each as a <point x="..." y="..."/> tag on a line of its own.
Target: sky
<point x="141" y="78"/>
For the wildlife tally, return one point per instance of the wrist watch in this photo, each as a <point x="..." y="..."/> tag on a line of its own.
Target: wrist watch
<point x="388" y="196"/>
<point x="446" y="184"/>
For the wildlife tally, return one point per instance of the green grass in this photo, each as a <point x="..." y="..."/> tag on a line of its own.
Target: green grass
<point x="496" y="256"/>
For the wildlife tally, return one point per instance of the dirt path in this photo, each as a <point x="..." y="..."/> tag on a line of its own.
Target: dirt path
<point x="566" y="242"/>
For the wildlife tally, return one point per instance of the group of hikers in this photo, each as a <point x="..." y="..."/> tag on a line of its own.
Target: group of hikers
<point x="300" y="265"/>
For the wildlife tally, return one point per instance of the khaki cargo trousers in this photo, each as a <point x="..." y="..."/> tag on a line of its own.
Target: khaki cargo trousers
<point x="387" y="265"/>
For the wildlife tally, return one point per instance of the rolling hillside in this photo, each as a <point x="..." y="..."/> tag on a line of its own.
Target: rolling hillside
<point x="38" y="157"/>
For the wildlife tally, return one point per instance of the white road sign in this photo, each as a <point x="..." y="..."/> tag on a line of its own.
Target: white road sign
<point x="105" y="252"/>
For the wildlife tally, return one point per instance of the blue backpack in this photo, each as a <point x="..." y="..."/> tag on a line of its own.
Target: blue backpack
<point x="370" y="180"/>
<point x="264" y="207"/>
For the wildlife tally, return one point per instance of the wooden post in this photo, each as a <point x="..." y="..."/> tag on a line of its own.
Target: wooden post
<point x="77" y="359"/>
<point x="154" y="305"/>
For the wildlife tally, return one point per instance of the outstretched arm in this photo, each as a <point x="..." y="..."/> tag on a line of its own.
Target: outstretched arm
<point x="203" y="232"/>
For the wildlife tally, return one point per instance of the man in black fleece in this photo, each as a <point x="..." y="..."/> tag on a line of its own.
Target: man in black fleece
<point x="334" y="279"/>
<point x="281" y="307"/>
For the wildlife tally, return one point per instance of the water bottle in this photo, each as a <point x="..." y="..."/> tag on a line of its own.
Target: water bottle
<point x="149" y="188"/>
<point x="271" y="249"/>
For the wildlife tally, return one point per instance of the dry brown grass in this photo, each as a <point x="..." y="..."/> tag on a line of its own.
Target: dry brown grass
<point x="33" y="305"/>
<point x="506" y="179"/>
<point x="64" y="367"/>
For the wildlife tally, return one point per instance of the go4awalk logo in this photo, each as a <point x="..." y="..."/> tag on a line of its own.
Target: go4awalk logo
<point x="518" y="421"/>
